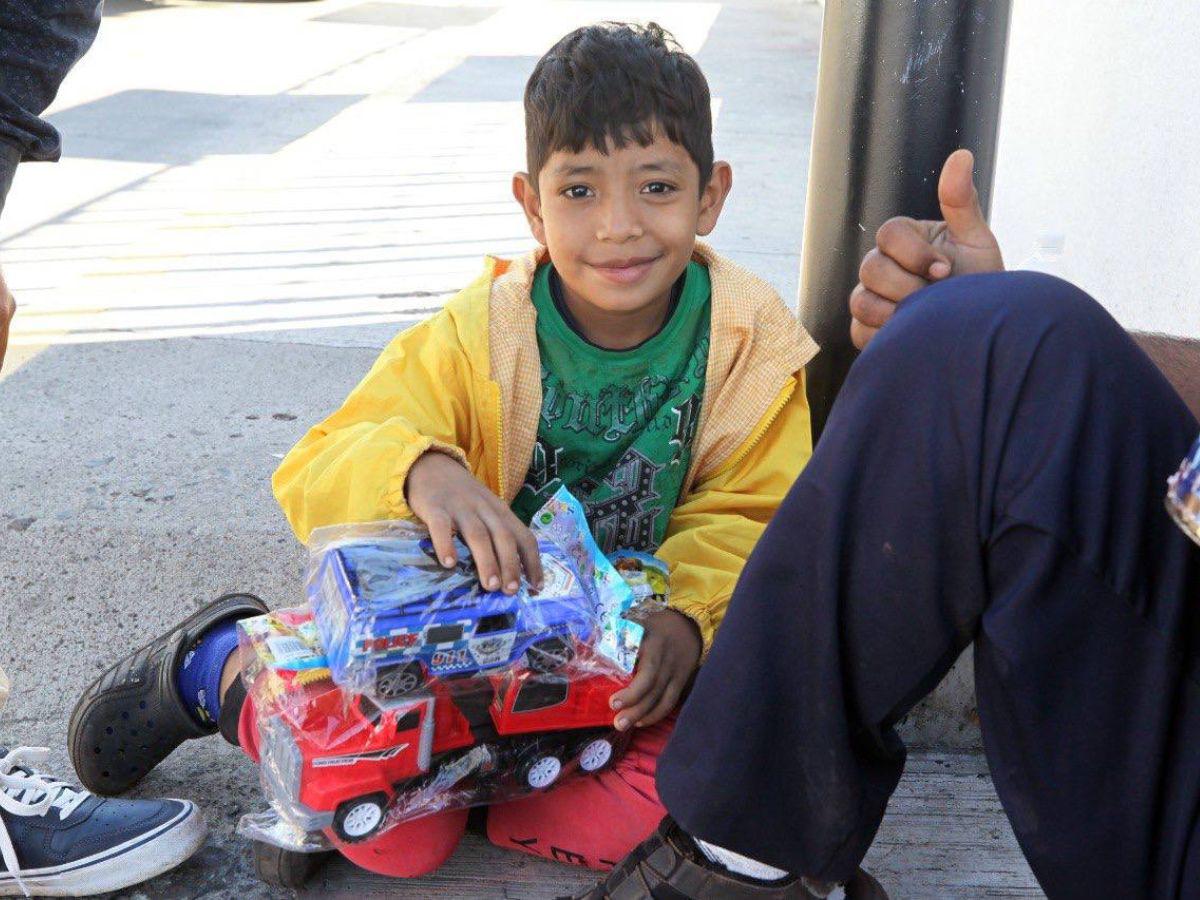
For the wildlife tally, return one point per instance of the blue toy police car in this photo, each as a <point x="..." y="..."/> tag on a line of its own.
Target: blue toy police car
<point x="391" y="617"/>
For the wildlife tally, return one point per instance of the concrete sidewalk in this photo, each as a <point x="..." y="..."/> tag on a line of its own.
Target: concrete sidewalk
<point x="255" y="198"/>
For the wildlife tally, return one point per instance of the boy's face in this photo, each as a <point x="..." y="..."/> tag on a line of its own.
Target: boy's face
<point x="620" y="227"/>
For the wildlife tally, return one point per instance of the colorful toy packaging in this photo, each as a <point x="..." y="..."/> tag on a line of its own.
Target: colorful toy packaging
<point x="403" y="688"/>
<point x="647" y="577"/>
<point x="1183" y="494"/>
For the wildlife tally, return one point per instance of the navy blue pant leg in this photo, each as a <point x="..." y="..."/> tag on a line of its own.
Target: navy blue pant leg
<point x="993" y="471"/>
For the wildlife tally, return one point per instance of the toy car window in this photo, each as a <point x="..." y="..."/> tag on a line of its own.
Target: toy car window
<point x="499" y="622"/>
<point x="443" y="634"/>
<point x="369" y="708"/>
<point x="374" y="711"/>
<point x="541" y="694"/>
<point x="408" y="721"/>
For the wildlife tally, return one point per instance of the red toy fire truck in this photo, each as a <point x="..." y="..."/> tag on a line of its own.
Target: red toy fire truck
<point x="345" y="763"/>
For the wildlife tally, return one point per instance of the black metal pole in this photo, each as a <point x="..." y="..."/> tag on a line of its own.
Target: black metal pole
<point x="901" y="84"/>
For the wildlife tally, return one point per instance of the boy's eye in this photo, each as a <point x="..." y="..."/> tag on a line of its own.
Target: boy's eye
<point x="659" y="187"/>
<point x="576" y="192"/>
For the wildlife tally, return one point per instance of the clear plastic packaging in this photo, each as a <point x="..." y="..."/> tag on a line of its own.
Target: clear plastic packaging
<point x="1183" y="494"/>
<point x="269" y="827"/>
<point x="648" y="578"/>
<point x="355" y="765"/>
<point x="404" y="689"/>
<point x="562" y="521"/>
<point x="391" y="617"/>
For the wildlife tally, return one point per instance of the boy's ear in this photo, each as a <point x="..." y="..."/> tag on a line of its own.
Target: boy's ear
<point x="712" y="198"/>
<point x="525" y="193"/>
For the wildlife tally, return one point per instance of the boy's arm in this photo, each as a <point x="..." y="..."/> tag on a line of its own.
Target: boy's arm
<point x="353" y="466"/>
<point x="712" y="532"/>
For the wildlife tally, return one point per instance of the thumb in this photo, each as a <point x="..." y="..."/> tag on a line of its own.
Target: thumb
<point x="960" y="201"/>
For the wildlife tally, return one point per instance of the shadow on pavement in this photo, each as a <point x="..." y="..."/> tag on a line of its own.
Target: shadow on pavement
<point x="181" y="126"/>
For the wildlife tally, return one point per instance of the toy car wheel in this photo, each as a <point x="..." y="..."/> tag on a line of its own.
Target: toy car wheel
<point x="541" y="771"/>
<point x="358" y="819"/>
<point x="550" y="654"/>
<point x="396" y="681"/>
<point x="596" y="754"/>
<point x="285" y="868"/>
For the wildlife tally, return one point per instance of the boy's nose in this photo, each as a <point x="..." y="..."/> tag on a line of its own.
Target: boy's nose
<point x="618" y="221"/>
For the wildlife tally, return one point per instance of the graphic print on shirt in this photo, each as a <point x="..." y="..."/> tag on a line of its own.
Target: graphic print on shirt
<point x="687" y="420"/>
<point x="624" y="513"/>
<point x="544" y="469"/>
<point x="613" y="413"/>
<point x="625" y="517"/>
<point x="616" y="427"/>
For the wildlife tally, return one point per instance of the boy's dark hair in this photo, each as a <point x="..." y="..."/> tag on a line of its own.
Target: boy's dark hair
<point x="617" y="81"/>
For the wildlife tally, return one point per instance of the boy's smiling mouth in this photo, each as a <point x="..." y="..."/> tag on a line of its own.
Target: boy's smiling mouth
<point x="626" y="271"/>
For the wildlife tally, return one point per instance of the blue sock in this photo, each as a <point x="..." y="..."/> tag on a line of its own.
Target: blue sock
<point x="199" y="675"/>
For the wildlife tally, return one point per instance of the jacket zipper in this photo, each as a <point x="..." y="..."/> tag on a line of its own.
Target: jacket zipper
<point x="773" y="412"/>
<point x="501" y="449"/>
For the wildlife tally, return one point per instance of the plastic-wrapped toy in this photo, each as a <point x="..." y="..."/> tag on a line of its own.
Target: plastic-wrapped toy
<point x="391" y="617"/>
<point x="647" y="576"/>
<point x="405" y="689"/>
<point x="1183" y="494"/>
<point x="562" y="521"/>
<point x="354" y="765"/>
<point x="390" y="624"/>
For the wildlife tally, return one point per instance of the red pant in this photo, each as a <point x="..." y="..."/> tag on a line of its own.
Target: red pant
<point x="592" y="820"/>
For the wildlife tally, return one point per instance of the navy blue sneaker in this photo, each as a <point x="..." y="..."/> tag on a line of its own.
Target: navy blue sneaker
<point x="57" y="840"/>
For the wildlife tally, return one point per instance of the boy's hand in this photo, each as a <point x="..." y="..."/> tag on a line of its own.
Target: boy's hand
<point x="667" y="660"/>
<point x="8" y="308"/>
<point x="449" y="499"/>
<point x="909" y="254"/>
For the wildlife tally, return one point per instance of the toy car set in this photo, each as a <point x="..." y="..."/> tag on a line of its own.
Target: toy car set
<point x="403" y="688"/>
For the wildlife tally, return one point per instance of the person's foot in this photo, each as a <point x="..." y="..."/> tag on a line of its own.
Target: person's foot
<point x="132" y="717"/>
<point x="668" y="864"/>
<point x="59" y="841"/>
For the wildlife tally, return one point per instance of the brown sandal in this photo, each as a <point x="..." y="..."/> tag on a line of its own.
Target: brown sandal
<point x="668" y="865"/>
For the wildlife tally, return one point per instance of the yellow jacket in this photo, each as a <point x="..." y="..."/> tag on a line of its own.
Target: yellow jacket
<point x="467" y="381"/>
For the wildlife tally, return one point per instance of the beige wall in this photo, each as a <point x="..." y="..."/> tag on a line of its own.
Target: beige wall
<point x="1100" y="140"/>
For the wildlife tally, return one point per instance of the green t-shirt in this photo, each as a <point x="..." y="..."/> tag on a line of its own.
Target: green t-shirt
<point x="617" y="426"/>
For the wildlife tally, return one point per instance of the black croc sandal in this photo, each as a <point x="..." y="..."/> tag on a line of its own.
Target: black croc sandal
<point x="668" y="864"/>
<point x="132" y="717"/>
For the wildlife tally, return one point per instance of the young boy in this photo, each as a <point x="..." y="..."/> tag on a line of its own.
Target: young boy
<point x="659" y="382"/>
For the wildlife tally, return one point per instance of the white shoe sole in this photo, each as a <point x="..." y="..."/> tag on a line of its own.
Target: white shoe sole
<point x="119" y="867"/>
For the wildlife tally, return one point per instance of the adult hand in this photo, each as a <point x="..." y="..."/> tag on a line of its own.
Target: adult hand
<point x="910" y="253"/>
<point x="8" y="308"/>
<point x="667" y="659"/>
<point x="449" y="499"/>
